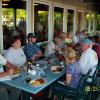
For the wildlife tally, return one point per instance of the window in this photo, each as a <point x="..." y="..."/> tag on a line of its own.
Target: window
<point x="70" y="20"/>
<point x="58" y="21"/>
<point x="21" y="23"/>
<point x="92" y="21"/>
<point x="87" y="21"/>
<point x="13" y="20"/>
<point x="41" y="22"/>
<point x="8" y="18"/>
<point x="98" y="22"/>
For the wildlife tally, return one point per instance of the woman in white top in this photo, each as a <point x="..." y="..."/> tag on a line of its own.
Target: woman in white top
<point x="15" y="54"/>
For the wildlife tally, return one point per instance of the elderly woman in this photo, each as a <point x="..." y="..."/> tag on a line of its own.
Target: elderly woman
<point x="73" y="71"/>
<point x="53" y="46"/>
<point x="15" y="54"/>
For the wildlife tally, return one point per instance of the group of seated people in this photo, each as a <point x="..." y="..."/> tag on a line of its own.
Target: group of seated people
<point x="15" y="57"/>
<point x="64" y="44"/>
<point x="80" y="54"/>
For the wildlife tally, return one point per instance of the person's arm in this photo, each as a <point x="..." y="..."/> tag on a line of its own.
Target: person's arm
<point x="57" y="49"/>
<point x="3" y="61"/>
<point x="68" y="79"/>
<point x="9" y="65"/>
<point x="8" y="72"/>
<point x="39" y="54"/>
<point x="9" y="57"/>
<point x="69" y="72"/>
<point x="36" y="56"/>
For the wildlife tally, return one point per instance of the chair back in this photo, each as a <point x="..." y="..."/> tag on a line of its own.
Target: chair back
<point x="83" y="81"/>
<point x="94" y="77"/>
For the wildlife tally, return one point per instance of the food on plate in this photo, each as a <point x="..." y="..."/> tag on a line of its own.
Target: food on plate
<point x="56" y="69"/>
<point x="16" y="71"/>
<point x="37" y="82"/>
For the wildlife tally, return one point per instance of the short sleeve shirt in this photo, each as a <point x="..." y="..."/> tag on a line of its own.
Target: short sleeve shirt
<point x="75" y="71"/>
<point x="88" y="60"/>
<point x="2" y="60"/>
<point x="15" y="56"/>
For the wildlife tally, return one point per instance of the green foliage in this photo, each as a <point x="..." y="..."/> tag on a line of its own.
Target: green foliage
<point x="98" y="22"/>
<point x="8" y="16"/>
<point x="7" y="13"/>
<point x="21" y="13"/>
<point x="58" y="20"/>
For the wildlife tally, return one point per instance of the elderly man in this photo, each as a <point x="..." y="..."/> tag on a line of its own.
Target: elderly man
<point x="7" y="92"/>
<point x="88" y="58"/>
<point x="31" y="49"/>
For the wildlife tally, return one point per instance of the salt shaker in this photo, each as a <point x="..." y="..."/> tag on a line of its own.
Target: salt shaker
<point x="62" y="64"/>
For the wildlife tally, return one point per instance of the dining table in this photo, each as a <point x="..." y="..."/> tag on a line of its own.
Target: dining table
<point x="49" y="77"/>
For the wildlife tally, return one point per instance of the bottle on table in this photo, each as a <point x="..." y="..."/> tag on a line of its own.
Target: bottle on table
<point x="29" y="66"/>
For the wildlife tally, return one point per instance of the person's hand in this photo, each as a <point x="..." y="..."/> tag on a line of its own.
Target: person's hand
<point x="58" y="49"/>
<point x="39" y="54"/>
<point x="34" y="58"/>
<point x="10" y="72"/>
<point x="16" y="68"/>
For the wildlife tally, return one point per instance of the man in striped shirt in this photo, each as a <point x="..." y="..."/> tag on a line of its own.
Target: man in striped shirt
<point x="31" y="49"/>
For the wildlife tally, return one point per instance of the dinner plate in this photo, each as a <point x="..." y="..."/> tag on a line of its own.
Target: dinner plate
<point x="14" y="76"/>
<point x="56" y="69"/>
<point x="37" y="82"/>
<point x="5" y="78"/>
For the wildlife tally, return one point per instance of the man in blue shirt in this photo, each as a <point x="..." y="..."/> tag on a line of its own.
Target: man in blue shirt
<point x="31" y="49"/>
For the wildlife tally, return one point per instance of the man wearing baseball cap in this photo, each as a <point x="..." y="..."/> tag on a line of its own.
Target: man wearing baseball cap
<point x="88" y="58"/>
<point x="31" y="49"/>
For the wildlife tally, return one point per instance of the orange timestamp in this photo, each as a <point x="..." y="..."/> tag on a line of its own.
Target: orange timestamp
<point x="92" y="88"/>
